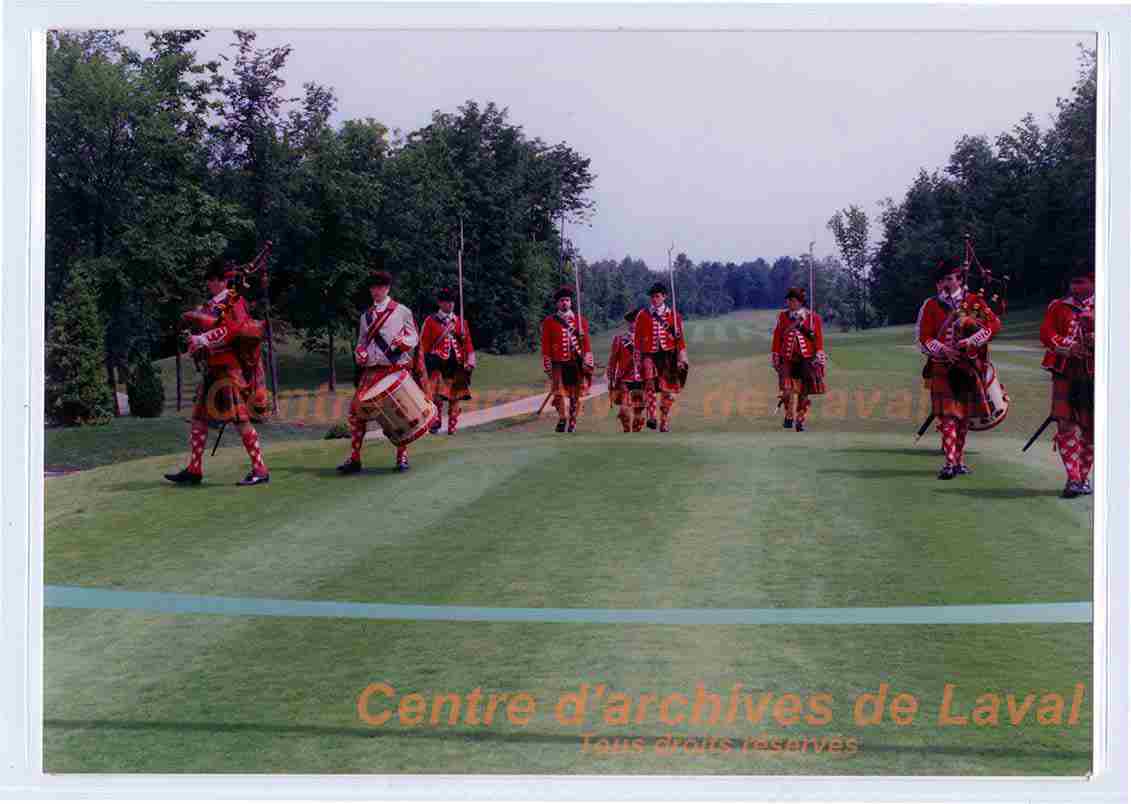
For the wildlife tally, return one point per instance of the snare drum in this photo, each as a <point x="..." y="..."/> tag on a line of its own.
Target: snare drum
<point x="398" y="404"/>
<point x="998" y="399"/>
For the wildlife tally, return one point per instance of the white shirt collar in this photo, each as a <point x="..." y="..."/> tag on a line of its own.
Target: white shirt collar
<point x="445" y="316"/>
<point x="219" y="297"/>
<point x="663" y="308"/>
<point x="381" y="307"/>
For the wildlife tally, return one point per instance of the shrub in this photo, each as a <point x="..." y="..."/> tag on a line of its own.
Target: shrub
<point x="339" y="430"/>
<point x="144" y="388"/>
<point x="76" y="389"/>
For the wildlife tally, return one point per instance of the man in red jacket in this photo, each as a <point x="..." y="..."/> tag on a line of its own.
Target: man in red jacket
<point x="228" y="387"/>
<point x="449" y="359"/>
<point x="658" y="337"/>
<point x="953" y="329"/>
<point x="797" y="352"/>
<point x="1068" y="334"/>
<point x="567" y="358"/>
<point x="626" y="383"/>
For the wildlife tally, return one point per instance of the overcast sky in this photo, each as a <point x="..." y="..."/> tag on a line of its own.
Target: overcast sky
<point x="732" y="145"/>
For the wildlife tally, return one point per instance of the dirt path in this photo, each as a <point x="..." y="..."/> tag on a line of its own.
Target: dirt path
<point x="508" y="410"/>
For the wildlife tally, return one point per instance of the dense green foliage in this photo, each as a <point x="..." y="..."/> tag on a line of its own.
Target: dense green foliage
<point x="1027" y="199"/>
<point x="144" y="389"/>
<point x="75" y="389"/>
<point x="158" y="162"/>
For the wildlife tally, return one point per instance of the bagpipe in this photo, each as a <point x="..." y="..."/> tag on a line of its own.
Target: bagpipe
<point x="983" y="299"/>
<point x="245" y="335"/>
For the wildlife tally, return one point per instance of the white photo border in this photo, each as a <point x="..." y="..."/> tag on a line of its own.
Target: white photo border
<point x="22" y="75"/>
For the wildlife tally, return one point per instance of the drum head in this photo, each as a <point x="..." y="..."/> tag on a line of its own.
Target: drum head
<point x="384" y="385"/>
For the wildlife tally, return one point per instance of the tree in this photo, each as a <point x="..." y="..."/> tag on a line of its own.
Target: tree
<point x="75" y="386"/>
<point x="850" y="228"/>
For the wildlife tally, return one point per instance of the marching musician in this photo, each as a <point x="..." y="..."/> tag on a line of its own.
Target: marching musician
<point x="567" y="358"/>
<point x="1068" y="334"/>
<point x="386" y="339"/>
<point x="449" y="359"/>
<point x="626" y="383"/>
<point x="797" y="352"/>
<point x="658" y="336"/>
<point x="229" y="384"/>
<point x="954" y="328"/>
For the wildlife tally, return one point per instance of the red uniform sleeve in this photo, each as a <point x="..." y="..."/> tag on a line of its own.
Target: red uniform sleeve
<point x="928" y="323"/>
<point x="614" y="357"/>
<point x="682" y="342"/>
<point x="468" y="347"/>
<point x="232" y="324"/>
<point x="547" y="339"/>
<point x="775" y="343"/>
<point x="428" y="335"/>
<point x="818" y="333"/>
<point x="640" y="332"/>
<point x="586" y="346"/>
<point x="1052" y="327"/>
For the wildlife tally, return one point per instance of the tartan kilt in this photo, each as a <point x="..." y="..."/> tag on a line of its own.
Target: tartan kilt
<point x="955" y="392"/>
<point x="661" y="372"/>
<point x="447" y="379"/>
<point x="370" y="376"/>
<point x="802" y="376"/>
<point x="1078" y="407"/>
<point x="569" y="379"/>
<point x="624" y="393"/>
<point x="222" y="396"/>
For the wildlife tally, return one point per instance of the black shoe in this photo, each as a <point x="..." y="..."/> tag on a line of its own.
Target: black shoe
<point x="253" y="479"/>
<point x="434" y="427"/>
<point x="787" y="424"/>
<point x="1071" y="490"/>
<point x="402" y="466"/>
<point x="799" y="427"/>
<point x="350" y="467"/>
<point x="963" y="469"/>
<point x="185" y="477"/>
<point x="652" y="424"/>
<point x="561" y="426"/>
<point x="948" y="472"/>
<point x="571" y="427"/>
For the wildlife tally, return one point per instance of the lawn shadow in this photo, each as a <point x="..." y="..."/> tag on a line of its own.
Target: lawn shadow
<point x="879" y="473"/>
<point x="913" y="451"/>
<point x="1002" y="494"/>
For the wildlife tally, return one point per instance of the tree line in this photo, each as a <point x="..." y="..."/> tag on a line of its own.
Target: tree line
<point x="1026" y="198"/>
<point x="158" y="162"/>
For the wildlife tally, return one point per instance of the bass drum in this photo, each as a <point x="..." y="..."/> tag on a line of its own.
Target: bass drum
<point x="998" y="399"/>
<point x="399" y="406"/>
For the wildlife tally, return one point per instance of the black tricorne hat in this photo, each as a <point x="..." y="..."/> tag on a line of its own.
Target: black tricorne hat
<point x="563" y="292"/>
<point x="796" y="293"/>
<point x="216" y="269"/>
<point x="944" y="267"/>
<point x="379" y="279"/>
<point x="658" y="287"/>
<point x="445" y="295"/>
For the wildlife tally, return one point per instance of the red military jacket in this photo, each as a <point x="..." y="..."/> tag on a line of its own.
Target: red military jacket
<point x="653" y="334"/>
<point x="561" y="341"/>
<point x="788" y="339"/>
<point x="223" y="321"/>
<point x="440" y="338"/>
<point x="624" y="362"/>
<point x="1064" y="326"/>
<point x="933" y="315"/>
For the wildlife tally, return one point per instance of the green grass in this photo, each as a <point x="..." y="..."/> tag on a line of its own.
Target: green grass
<point x="727" y="511"/>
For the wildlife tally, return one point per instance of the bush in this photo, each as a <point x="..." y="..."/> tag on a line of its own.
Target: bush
<point x="145" y="391"/>
<point x="76" y="389"/>
<point x="339" y="430"/>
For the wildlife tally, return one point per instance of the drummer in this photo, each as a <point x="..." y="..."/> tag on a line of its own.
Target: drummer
<point x="385" y="342"/>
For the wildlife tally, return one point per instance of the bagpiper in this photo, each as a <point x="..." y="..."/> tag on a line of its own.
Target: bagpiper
<point x="658" y="336"/>
<point x="954" y="328"/>
<point x="449" y="359"/>
<point x="567" y="358"/>
<point x="386" y="339"/>
<point x="797" y="353"/>
<point x="626" y="383"/>
<point x="232" y="384"/>
<point x="1068" y="334"/>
